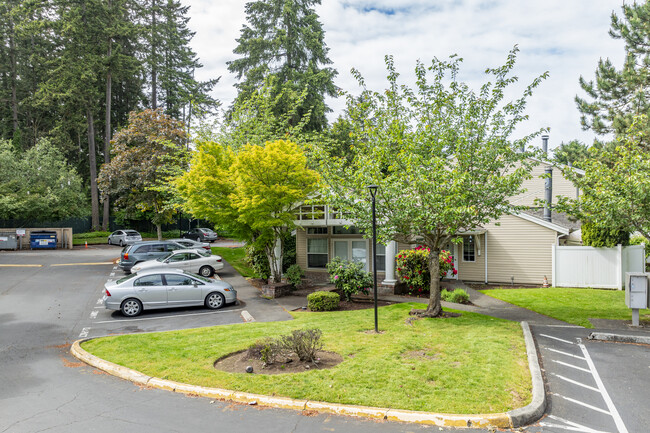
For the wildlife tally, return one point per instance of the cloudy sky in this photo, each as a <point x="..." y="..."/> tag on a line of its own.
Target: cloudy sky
<point x="565" y="38"/>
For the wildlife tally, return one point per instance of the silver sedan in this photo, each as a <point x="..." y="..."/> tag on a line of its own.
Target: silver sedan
<point x="124" y="237"/>
<point x="197" y="261"/>
<point x="165" y="289"/>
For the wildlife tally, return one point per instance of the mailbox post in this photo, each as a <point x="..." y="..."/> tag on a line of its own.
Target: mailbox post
<point x="636" y="293"/>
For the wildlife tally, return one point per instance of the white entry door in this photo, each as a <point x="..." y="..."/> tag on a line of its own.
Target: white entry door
<point x="454" y="251"/>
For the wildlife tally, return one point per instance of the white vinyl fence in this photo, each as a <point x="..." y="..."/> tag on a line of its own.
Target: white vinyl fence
<point x="575" y="266"/>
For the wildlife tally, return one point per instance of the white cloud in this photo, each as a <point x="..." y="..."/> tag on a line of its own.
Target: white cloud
<point x="565" y="38"/>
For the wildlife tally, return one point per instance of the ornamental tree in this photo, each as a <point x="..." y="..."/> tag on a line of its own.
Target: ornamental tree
<point x="147" y="156"/>
<point x="440" y="154"/>
<point x="253" y="192"/>
<point x="615" y="188"/>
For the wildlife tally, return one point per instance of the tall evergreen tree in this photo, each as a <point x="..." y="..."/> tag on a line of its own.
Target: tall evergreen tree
<point x="171" y="63"/>
<point x="284" y="39"/>
<point x="618" y="95"/>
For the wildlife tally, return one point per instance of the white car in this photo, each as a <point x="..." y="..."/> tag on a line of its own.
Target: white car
<point x="197" y="261"/>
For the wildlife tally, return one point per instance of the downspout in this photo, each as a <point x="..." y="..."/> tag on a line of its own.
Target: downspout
<point x="548" y="183"/>
<point x="486" y="257"/>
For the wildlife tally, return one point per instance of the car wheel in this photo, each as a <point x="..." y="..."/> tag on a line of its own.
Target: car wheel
<point x="198" y="239"/>
<point x="206" y="271"/>
<point x="131" y="307"/>
<point x="109" y="241"/>
<point x="121" y="243"/>
<point x="215" y="300"/>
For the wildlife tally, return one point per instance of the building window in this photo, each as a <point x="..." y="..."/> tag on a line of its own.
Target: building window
<point x="469" y="249"/>
<point x="316" y="253"/>
<point x="353" y="250"/>
<point x="381" y="258"/>
<point x="341" y="230"/>
<point x="317" y="230"/>
<point x="310" y="213"/>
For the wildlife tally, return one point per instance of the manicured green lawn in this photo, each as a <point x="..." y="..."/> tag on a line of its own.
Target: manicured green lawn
<point x="574" y="306"/>
<point x="473" y="363"/>
<point x="237" y="259"/>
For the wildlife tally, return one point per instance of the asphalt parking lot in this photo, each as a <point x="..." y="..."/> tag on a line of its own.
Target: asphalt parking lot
<point x="48" y="299"/>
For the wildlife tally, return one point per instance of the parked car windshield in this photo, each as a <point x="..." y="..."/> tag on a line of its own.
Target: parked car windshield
<point x="162" y="258"/>
<point x="198" y="277"/>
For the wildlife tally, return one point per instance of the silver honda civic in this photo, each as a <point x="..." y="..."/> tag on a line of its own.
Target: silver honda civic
<point x="169" y="288"/>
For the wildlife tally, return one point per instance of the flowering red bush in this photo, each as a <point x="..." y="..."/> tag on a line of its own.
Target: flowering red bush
<point x="413" y="268"/>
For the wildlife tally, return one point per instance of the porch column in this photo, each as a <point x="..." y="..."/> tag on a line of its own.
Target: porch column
<point x="389" y="275"/>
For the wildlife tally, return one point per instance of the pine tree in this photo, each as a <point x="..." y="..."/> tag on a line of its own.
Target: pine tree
<point x="284" y="39"/>
<point x="617" y="95"/>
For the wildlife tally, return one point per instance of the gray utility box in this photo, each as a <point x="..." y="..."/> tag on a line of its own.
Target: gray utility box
<point x="8" y="241"/>
<point x="636" y="290"/>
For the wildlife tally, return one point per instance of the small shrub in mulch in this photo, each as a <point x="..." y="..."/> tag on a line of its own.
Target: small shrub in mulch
<point x="323" y="301"/>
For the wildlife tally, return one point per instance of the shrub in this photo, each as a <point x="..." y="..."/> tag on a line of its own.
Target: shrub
<point x="413" y="268"/>
<point x="594" y="235"/>
<point x="323" y="301"/>
<point x="349" y="277"/>
<point x="267" y="350"/>
<point x="294" y="275"/>
<point x="457" y="296"/>
<point x="256" y="259"/>
<point x="305" y="343"/>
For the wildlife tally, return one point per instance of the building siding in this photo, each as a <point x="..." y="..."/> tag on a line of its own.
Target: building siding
<point x="535" y="187"/>
<point x="518" y="251"/>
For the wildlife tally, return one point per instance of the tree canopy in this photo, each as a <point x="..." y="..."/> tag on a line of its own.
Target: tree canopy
<point x="441" y="155"/>
<point x="617" y="95"/>
<point x="147" y="156"/>
<point x="253" y="192"/>
<point x="615" y="189"/>
<point x="39" y="184"/>
<point x="284" y="39"/>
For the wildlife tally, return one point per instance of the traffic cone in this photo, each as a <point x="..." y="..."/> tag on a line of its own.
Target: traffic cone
<point x="86" y="244"/>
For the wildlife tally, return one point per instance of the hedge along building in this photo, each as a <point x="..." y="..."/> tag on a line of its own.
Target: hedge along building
<point x="514" y="250"/>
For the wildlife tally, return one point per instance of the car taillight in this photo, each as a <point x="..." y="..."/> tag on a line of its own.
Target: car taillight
<point x="219" y="260"/>
<point x="107" y="292"/>
<point x="126" y="256"/>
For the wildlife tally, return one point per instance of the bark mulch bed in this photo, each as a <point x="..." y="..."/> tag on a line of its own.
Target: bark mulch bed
<point x="238" y="361"/>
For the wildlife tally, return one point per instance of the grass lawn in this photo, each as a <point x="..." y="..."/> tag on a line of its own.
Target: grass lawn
<point x="574" y="306"/>
<point x="473" y="363"/>
<point x="237" y="259"/>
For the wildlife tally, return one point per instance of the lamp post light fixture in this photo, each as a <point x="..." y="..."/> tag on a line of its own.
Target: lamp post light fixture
<point x="373" y="192"/>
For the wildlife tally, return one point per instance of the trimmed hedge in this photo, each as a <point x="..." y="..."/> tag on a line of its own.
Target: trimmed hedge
<point x="457" y="296"/>
<point x="323" y="301"/>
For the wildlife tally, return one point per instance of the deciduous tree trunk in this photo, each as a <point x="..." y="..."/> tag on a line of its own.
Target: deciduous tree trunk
<point x="434" y="309"/>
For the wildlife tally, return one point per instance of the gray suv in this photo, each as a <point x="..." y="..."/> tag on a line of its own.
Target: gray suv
<point x="146" y="250"/>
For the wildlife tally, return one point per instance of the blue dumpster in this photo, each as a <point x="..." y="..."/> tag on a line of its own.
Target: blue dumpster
<point x="42" y="240"/>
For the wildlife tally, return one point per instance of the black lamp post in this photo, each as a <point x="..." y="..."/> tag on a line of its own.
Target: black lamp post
<point x="373" y="192"/>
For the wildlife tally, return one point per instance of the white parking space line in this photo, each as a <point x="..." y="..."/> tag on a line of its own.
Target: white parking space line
<point x="575" y="382"/>
<point x="99" y="301"/>
<point x="567" y="354"/>
<point x="608" y="401"/>
<point x="167" y="317"/>
<point x="572" y="366"/>
<point x="573" y="400"/>
<point x="84" y="333"/>
<point x="112" y="274"/>
<point x="557" y="339"/>
<point x="93" y="314"/>
<point x="573" y="426"/>
<point x="247" y="316"/>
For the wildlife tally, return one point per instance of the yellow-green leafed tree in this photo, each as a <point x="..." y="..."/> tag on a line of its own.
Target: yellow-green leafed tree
<point x="254" y="192"/>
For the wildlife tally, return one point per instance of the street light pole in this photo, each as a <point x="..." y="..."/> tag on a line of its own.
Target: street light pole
<point x="373" y="192"/>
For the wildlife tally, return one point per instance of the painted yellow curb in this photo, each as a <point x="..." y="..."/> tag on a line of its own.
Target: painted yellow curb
<point x="83" y="264"/>
<point x="499" y="420"/>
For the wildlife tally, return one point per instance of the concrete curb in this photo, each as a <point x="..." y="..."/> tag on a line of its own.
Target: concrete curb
<point x="513" y="418"/>
<point x="618" y="338"/>
<point x="532" y="412"/>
